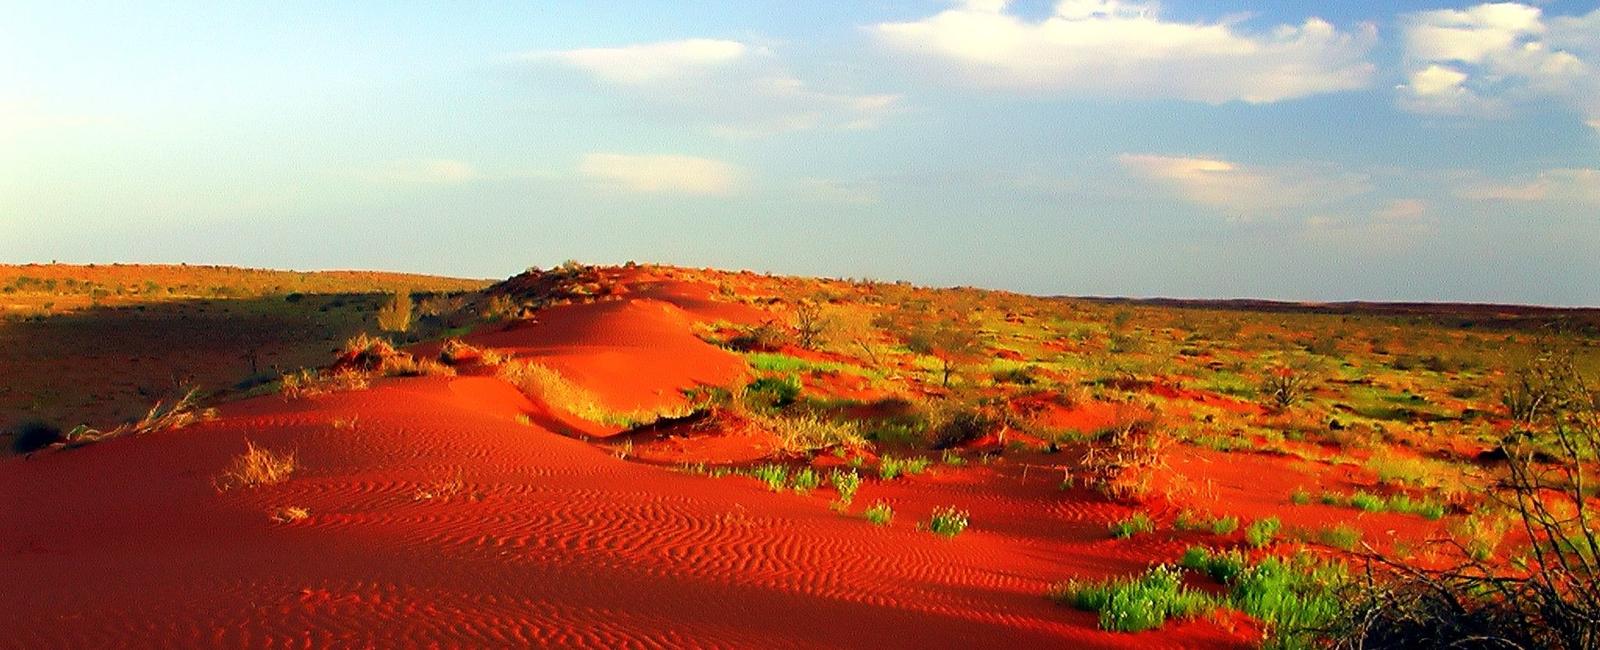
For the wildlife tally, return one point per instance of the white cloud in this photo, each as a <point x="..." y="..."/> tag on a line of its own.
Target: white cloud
<point x="738" y="90"/>
<point x="1568" y="186"/>
<point x="651" y="63"/>
<point x="1487" y="59"/>
<point x="1120" y="49"/>
<point x="660" y="174"/>
<point x="422" y="170"/>
<point x="1245" y="192"/>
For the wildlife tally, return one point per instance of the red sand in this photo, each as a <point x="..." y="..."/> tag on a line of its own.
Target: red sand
<point x="565" y="544"/>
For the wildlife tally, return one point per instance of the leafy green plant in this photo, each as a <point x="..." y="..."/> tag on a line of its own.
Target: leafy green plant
<point x="1224" y="525"/>
<point x="1300" y="496"/>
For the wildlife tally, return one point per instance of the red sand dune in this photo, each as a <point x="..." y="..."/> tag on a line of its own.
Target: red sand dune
<point x="549" y="540"/>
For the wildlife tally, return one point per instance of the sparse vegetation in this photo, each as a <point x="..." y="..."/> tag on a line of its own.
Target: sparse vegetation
<point x="947" y="521"/>
<point x="879" y="513"/>
<point x="1138" y="523"/>
<point x="1135" y="604"/>
<point x="256" y="467"/>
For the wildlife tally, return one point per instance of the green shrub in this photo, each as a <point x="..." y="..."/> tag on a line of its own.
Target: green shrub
<point x="1134" y="525"/>
<point x="1224" y="525"/>
<point x="948" y="521"/>
<point x="1262" y="532"/>
<point x="879" y="513"/>
<point x="1135" y="604"/>
<point x="950" y="457"/>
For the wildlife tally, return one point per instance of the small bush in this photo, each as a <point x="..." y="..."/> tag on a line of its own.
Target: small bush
<point x="1135" y="604"/>
<point x="1262" y="532"/>
<point x="1134" y="525"/>
<point x="1297" y="599"/>
<point x="879" y="513"/>
<point x="951" y="458"/>
<point x="948" y="521"/>
<point x="809" y="432"/>
<point x="395" y="315"/>
<point x="257" y="466"/>
<point x="33" y="435"/>
<point x="846" y="484"/>
<point x="1300" y="496"/>
<point x="1224" y="525"/>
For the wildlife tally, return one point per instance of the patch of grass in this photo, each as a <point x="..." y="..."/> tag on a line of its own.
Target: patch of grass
<point x="947" y="521"/>
<point x="1261" y="532"/>
<point x="1300" y="496"/>
<point x="1367" y="501"/>
<point x="806" y="480"/>
<point x="1343" y="537"/>
<point x="1296" y="598"/>
<point x="879" y="513"/>
<point x="551" y="387"/>
<point x="776" y="477"/>
<point x="1222" y="566"/>
<point x="257" y="466"/>
<point x="953" y="459"/>
<point x="1136" y="524"/>
<point x="308" y="383"/>
<point x="1224" y="525"/>
<point x="769" y="393"/>
<point x="1135" y="604"/>
<point x="806" y="432"/>
<point x="290" y="514"/>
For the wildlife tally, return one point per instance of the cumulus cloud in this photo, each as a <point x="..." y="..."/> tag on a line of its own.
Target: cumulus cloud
<point x="1119" y="49"/>
<point x="1246" y="192"/>
<point x="741" y="90"/>
<point x="1487" y="59"/>
<point x="1579" y="186"/>
<point x="660" y="174"/>
<point x="422" y="170"/>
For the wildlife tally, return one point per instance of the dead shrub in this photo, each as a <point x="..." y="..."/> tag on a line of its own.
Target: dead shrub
<point x="257" y="466"/>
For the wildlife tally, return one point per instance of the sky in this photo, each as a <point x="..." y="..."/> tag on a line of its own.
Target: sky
<point x="1398" y="150"/>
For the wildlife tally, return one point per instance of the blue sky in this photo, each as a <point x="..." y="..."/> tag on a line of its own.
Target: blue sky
<point x="1296" y="150"/>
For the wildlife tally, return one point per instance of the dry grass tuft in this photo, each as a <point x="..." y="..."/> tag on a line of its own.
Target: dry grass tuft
<point x="290" y="514"/>
<point x="161" y="417"/>
<point x="256" y="467"/>
<point x="551" y="387"/>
